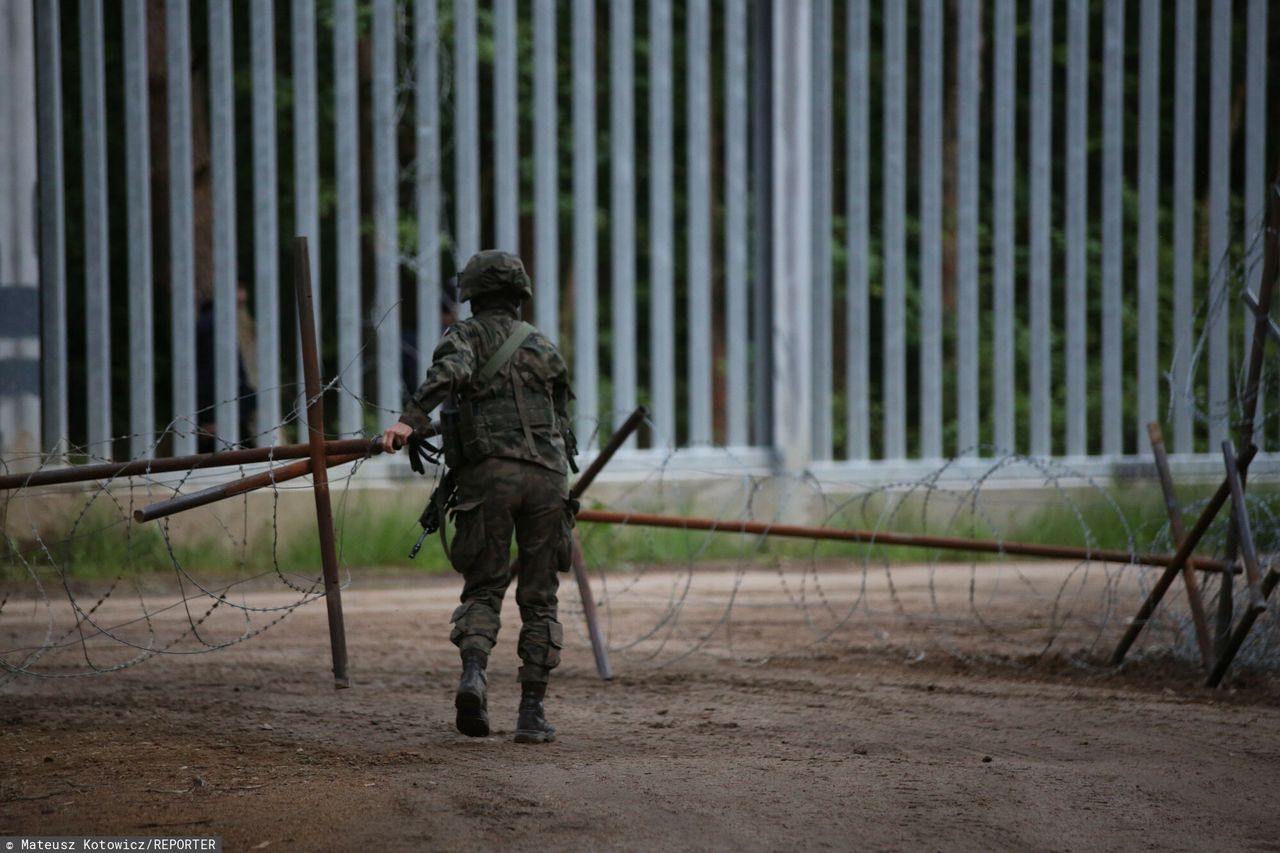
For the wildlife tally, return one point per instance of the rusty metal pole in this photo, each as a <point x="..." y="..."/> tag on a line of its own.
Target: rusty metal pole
<point x="320" y="471"/>
<point x="1229" y="641"/>
<point x="599" y="648"/>
<point x="1180" y="559"/>
<point x="1270" y="267"/>
<point x="910" y="540"/>
<point x="1226" y="602"/>
<point x="1262" y="317"/>
<point x="171" y="464"/>
<point x="213" y="494"/>
<point x="1244" y="532"/>
<point x="1179" y="533"/>
<point x="1229" y="649"/>
<point x="619" y="437"/>
<point x="589" y="612"/>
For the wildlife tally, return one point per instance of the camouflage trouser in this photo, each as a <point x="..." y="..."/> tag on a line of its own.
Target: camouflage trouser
<point x="496" y="497"/>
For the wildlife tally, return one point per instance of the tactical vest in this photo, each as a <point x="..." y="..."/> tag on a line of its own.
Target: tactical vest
<point x="499" y="413"/>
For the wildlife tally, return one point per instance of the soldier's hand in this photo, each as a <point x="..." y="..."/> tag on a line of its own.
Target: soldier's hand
<point x="396" y="436"/>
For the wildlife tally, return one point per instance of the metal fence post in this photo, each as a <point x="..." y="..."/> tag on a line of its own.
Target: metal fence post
<point x="790" y="234"/>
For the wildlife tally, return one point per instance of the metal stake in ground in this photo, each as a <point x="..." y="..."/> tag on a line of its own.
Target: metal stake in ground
<point x="1231" y="641"/>
<point x="1244" y="532"/>
<point x="319" y="470"/>
<point x="1179" y="533"/>
<point x="1259" y="590"/>
<point x="1180" y="559"/>
<point x="579" y="563"/>
<point x="1228" y="650"/>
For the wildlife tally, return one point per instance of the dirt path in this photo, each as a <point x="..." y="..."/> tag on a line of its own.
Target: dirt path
<point x="844" y="746"/>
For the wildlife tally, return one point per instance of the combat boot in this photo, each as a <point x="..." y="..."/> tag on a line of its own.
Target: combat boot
<point x="472" y="700"/>
<point x="532" y="726"/>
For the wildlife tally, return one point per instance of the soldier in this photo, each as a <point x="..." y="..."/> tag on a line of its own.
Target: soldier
<point x="507" y="438"/>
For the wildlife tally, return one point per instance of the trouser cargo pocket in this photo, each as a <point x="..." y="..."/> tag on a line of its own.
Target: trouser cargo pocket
<point x="540" y="643"/>
<point x="468" y="536"/>
<point x="474" y="619"/>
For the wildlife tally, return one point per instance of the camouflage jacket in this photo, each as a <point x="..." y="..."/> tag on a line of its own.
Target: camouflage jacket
<point x="523" y="410"/>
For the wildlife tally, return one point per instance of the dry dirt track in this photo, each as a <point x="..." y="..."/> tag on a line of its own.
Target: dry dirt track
<point x="847" y="747"/>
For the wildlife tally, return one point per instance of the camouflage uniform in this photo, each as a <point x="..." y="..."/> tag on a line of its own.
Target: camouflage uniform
<point x="509" y="449"/>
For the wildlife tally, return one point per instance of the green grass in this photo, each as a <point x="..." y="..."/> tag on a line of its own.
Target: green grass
<point x="367" y="538"/>
<point x="101" y="545"/>
<point x="379" y="538"/>
<point x="1142" y="509"/>
<point x="1137" y="515"/>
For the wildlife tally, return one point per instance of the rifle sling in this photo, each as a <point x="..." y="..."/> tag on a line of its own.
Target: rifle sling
<point x="491" y="367"/>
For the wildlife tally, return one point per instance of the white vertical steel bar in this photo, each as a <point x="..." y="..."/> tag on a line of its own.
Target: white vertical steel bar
<point x="1076" y="225"/>
<point x="932" y="14"/>
<point x="306" y="159"/>
<point x="585" y="357"/>
<point x="53" y="232"/>
<point x="1184" y="201"/>
<point x="306" y="163"/>
<point x="427" y="117"/>
<point x="350" y="313"/>
<point x="1148" y="220"/>
<point x="1255" y="168"/>
<point x="622" y="217"/>
<point x="97" y="286"/>
<point x="386" y="245"/>
<point x="893" y="335"/>
<point x="735" y="272"/>
<point x="1113" y="227"/>
<point x="820" y="105"/>
<point x="662" y="340"/>
<point x="1003" y="109"/>
<point x="967" y="70"/>
<point x="142" y="402"/>
<point x="182" y="268"/>
<point x="856" y="228"/>
<point x="20" y="416"/>
<point x="1255" y="133"/>
<point x="1221" y="303"/>
<point x="546" y="174"/>
<point x="506" y="138"/>
<point x="466" y="109"/>
<point x="698" y="190"/>
<point x="266" y="222"/>
<point x="226" y="386"/>
<point x="792" y="249"/>
<point x="1039" y="267"/>
<point x="760" y="28"/>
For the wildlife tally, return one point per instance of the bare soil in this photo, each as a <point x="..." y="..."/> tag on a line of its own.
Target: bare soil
<point x="850" y="743"/>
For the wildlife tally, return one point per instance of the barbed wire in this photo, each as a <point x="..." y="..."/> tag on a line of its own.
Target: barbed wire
<point x="663" y="596"/>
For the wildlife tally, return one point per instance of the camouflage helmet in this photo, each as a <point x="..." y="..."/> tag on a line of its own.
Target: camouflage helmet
<point x="494" y="273"/>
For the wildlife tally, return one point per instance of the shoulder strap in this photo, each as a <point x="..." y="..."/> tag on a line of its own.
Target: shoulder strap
<point x="496" y="361"/>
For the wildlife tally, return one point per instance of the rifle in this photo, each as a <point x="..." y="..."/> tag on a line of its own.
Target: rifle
<point x="571" y="448"/>
<point x="443" y="494"/>
<point x="433" y="515"/>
